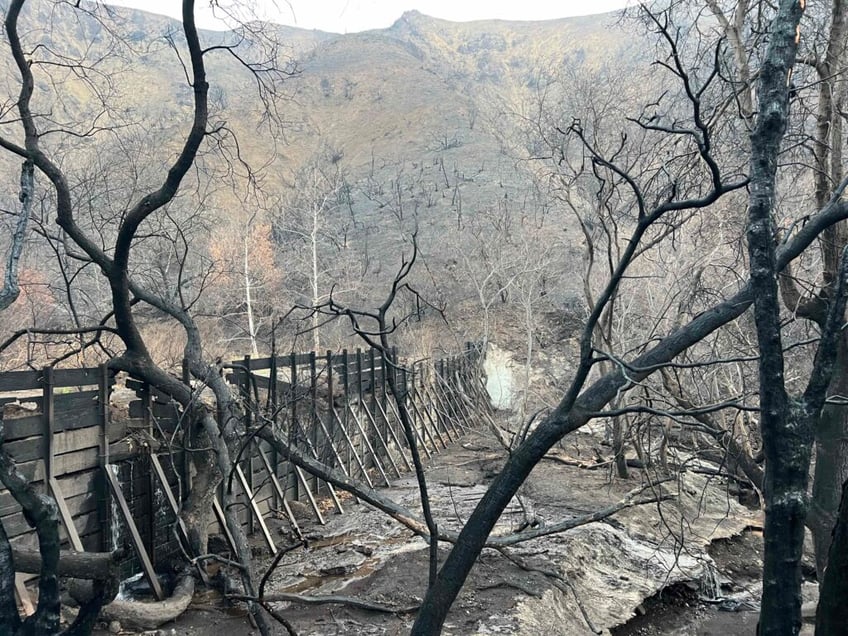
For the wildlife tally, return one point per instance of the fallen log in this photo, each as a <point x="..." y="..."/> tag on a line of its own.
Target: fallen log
<point x="78" y="565"/>
<point x="146" y="616"/>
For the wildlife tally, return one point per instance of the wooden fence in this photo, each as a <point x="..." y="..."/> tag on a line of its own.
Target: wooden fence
<point x="118" y="477"/>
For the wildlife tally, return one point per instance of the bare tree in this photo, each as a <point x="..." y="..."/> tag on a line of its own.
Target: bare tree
<point x="311" y="215"/>
<point x="786" y="423"/>
<point x="27" y="131"/>
<point x="679" y="193"/>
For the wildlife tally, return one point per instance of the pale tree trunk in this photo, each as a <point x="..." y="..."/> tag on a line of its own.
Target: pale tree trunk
<point x="251" y="326"/>
<point x="313" y="237"/>
<point x="528" y="364"/>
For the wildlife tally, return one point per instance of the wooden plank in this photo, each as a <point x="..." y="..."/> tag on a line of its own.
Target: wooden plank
<point x="64" y="464"/>
<point x="138" y="544"/>
<point x="87" y="525"/>
<point x="259" y="363"/>
<point x="26" y="450"/>
<point x="49" y="421"/>
<point x="86" y="376"/>
<point x="23" y="594"/>
<point x="8" y="505"/>
<point x="76" y="411"/>
<point x="77" y="504"/>
<point x="65" y="515"/>
<point x="21" y="427"/>
<point x="282" y="361"/>
<point x="72" y="486"/>
<point x="76" y="401"/>
<point x="257" y="514"/>
<point x="20" y="380"/>
<point x="78" y="483"/>
<point x="82" y="509"/>
<point x="73" y="420"/>
<point x="20" y="399"/>
<point x="16" y="526"/>
<point x="222" y="522"/>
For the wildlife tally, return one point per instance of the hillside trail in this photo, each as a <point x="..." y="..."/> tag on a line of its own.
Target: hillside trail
<point x="652" y="562"/>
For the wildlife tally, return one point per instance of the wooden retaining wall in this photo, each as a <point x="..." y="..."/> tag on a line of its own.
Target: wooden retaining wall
<point x="62" y="432"/>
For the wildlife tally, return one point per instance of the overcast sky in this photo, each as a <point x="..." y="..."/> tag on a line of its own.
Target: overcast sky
<point x="347" y="16"/>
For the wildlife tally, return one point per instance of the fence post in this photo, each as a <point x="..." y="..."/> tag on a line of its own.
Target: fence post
<point x="49" y="420"/>
<point x="331" y="424"/>
<point x="293" y="426"/>
<point x="346" y="388"/>
<point x="101" y="488"/>
<point x="274" y="412"/>
<point x="185" y="460"/>
<point x="374" y="409"/>
<point x="245" y="386"/>
<point x="313" y="381"/>
<point x="361" y="392"/>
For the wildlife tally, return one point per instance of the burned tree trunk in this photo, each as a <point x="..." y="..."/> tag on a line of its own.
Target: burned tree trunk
<point x="832" y="614"/>
<point x="41" y="513"/>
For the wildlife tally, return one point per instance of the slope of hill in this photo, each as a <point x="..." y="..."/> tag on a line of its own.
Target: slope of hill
<point x="417" y="120"/>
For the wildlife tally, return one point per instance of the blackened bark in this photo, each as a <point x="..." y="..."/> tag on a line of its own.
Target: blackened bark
<point x="77" y="565"/>
<point x="831" y="430"/>
<point x="8" y="607"/>
<point x="831" y="470"/>
<point x="832" y="615"/>
<point x="40" y="513"/>
<point x="786" y="431"/>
